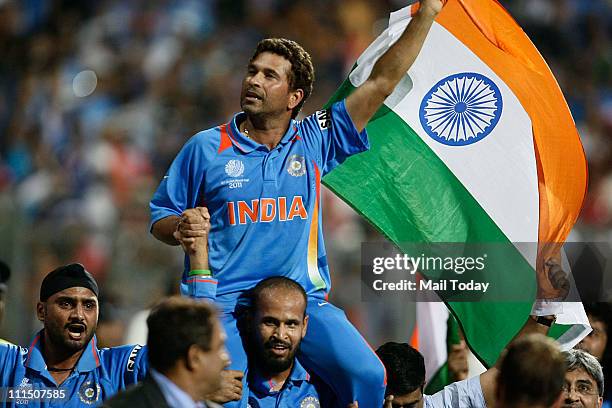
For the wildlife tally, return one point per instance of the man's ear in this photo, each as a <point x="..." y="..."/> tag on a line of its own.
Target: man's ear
<point x="193" y="357"/>
<point x="40" y="311"/>
<point x="305" y="328"/>
<point x="295" y="97"/>
<point x="246" y="322"/>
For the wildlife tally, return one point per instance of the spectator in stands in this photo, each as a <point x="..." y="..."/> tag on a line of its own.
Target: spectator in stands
<point x="187" y="354"/>
<point x="63" y="356"/>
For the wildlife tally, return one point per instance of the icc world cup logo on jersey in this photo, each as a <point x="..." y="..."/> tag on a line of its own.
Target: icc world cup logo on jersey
<point x="234" y="168"/>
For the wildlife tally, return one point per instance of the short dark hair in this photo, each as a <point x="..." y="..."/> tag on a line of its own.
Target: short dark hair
<point x="175" y="324"/>
<point x="405" y="367"/>
<point x="532" y="371"/>
<point x="276" y="282"/>
<point x="302" y="71"/>
<point x="599" y="311"/>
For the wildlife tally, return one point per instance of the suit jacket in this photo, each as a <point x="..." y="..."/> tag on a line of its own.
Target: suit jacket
<point x="145" y="394"/>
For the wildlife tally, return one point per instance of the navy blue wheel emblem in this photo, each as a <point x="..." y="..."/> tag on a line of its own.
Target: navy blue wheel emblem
<point x="461" y="109"/>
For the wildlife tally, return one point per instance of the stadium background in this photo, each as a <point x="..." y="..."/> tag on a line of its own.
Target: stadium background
<point x="96" y="98"/>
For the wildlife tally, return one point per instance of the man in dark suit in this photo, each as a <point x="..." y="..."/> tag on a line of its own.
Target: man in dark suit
<point x="186" y="355"/>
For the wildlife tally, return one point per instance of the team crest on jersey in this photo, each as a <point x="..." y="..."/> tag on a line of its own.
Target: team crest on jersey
<point x="324" y="118"/>
<point x="310" y="402"/>
<point x="297" y="165"/>
<point x="89" y="393"/>
<point x="234" y="168"/>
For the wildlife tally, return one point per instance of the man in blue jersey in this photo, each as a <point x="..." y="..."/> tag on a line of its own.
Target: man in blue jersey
<point x="63" y="367"/>
<point x="275" y="325"/>
<point x="259" y="177"/>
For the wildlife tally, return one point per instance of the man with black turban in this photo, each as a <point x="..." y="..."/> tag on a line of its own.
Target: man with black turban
<point x="63" y="366"/>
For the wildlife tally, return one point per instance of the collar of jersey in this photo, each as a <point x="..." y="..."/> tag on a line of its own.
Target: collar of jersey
<point x="247" y="145"/>
<point x="90" y="359"/>
<point x="264" y="385"/>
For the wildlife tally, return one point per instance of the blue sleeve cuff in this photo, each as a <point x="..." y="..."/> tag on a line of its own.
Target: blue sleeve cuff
<point x="202" y="287"/>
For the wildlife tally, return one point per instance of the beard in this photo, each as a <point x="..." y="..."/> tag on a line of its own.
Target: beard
<point x="60" y="338"/>
<point x="272" y="363"/>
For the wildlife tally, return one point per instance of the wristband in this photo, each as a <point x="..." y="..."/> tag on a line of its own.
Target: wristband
<point x="200" y="272"/>
<point x="546" y="321"/>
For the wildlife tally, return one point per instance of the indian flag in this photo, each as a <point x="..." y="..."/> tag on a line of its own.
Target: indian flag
<point x="476" y="145"/>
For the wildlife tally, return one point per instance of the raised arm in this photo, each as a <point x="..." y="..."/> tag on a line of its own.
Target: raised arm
<point x="363" y="103"/>
<point x="195" y="242"/>
<point x="554" y="279"/>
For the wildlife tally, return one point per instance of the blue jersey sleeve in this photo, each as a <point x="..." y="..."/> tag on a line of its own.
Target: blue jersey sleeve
<point x="125" y="365"/>
<point x="331" y="135"/>
<point x="9" y="355"/>
<point x="180" y="187"/>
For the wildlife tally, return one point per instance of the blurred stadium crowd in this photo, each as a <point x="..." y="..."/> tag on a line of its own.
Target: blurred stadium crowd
<point x="97" y="97"/>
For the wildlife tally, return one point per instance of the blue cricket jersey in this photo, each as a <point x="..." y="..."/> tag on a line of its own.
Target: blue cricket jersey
<point x="300" y="390"/>
<point x="99" y="374"/>
<point x="265" y="205"/>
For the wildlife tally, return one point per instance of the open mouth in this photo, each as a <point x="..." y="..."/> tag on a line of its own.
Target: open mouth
<point x="279" y="349"/>
<point x="250" y="95"/>
<point x="76" y="331"/>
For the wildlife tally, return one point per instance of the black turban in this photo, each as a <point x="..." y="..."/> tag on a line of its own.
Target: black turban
<point x="64" y="277"/>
